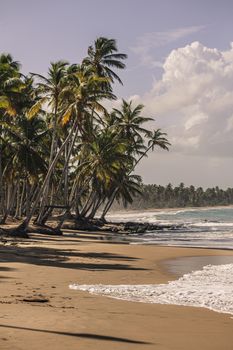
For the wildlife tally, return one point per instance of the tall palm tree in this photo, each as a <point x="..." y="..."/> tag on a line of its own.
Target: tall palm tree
<point x="130" y="128"/>
<point x="85" y="92"/>
<point x="49" y="91"/>
<point x="103" y="57"/>
<point x="60" y="145"/>
<point x="125" y="189"/>
<point x="129" y="123"/>
<point x="130" y="120"/>
<point x="25" y="156"/>
<point x="101" y="160"/>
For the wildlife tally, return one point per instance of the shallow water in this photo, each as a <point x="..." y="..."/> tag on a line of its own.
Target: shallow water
<point x="191" y="227"/>
<point x="184" y="265"/>
<point x="210" y="287"/>
<point x="205" y="281"/>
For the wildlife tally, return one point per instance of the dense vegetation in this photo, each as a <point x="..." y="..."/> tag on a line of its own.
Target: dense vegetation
<point x="59" y="146"/>
<point x="156" y="196"/>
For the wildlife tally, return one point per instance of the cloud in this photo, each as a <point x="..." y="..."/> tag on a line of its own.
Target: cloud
<point x="193" y="101"/>
<point x="147" y="42"/>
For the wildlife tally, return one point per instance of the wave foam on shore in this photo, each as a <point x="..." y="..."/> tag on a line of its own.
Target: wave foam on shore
<point x="211" y="287"/>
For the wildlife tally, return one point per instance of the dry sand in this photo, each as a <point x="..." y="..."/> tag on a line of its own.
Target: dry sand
<point x="41" y="269"/>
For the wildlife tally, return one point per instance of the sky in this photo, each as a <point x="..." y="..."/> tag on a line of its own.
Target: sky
<point x="180" y="66"/>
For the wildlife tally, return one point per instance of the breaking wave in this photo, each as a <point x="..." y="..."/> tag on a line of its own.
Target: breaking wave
<point x="211" y="287"/>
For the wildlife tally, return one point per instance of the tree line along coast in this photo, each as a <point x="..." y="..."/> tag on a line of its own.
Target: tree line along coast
<point x="61" y="148"/>
<point x="157" y="196"/>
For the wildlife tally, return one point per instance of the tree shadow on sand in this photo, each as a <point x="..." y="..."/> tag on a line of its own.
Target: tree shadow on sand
<point x="80" y="335"/>
<point x="61" y="258"/>
<point x="5" y="269"/>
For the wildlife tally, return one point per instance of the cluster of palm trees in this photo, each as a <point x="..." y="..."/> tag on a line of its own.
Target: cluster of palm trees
<point x="157" y="196"/>
<point x="60" y="147"/>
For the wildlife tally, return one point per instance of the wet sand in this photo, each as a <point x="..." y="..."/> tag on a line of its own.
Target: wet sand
<point x="39" y="311"/>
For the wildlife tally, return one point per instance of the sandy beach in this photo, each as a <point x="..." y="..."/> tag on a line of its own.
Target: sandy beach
<point x="39" y="311"/>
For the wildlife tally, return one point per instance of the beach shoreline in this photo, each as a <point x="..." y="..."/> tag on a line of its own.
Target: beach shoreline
<point x="38" y="310"/>
<point x="168" y="209"/>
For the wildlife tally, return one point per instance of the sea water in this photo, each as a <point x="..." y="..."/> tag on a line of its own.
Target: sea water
<point x="209" y="286"/>
<point x="191" y="227"/>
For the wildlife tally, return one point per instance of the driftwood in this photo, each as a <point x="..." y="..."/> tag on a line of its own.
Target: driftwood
<point x="22" y="232"/>
<point x="45" y="230"/>
<point x="120" y="227"/>
<point x="87" y="225"/>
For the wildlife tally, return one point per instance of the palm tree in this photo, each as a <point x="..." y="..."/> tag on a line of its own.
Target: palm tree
<point x="26" y="157"/>
<point x="103" y="57"/>
<point x="130" y="120"/>
<point x="129" y="126"/>
<point x="157" y="138"/>
<point x="105" y="159"/>
<point x="15" y="97"/>
<point x="49" y="90"/>
<point x="85" y="92"/>
<point x="60" y="145"/>
<point x="126" y="188"/>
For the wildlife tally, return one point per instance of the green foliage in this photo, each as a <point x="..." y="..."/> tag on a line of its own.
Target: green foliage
<point x="59" y="144"/>
<point x="157" y="196"/>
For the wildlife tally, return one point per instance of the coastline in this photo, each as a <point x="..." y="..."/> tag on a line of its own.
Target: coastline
<point x="32" y="271"/>
<point x="169" y="209"/>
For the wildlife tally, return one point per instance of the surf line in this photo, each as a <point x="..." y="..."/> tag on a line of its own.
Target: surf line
<point x="211" y="287"/>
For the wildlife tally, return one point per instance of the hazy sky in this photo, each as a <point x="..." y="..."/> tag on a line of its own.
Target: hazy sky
<point x="180" y="67"/>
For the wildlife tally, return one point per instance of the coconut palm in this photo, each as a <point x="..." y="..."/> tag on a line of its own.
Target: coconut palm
<point x="103" y="57"/>
<point x="157" y="139"/>
<point x="129" y="123"/>
<point x="125" y="189"/>
<point x="78" y="99"/>
<point x="60" y="145"/>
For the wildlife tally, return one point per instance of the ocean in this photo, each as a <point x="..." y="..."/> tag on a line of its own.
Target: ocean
<point x="201" y="281"/>
<point x="189" y="227"/>
<point x="211" y="287"/>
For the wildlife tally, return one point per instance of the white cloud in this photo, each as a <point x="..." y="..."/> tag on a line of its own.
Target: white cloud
<point x="193" y="100"/>
<point x="197" y="118"/>
<point x="147" y="42"/>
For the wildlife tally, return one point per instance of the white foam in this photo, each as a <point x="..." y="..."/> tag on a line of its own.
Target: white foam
<point x="213" y="224"/>
<point x="211" y="287"/>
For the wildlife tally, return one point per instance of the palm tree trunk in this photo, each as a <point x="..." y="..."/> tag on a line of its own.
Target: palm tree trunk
<point x="11" y="199"/>
<point x="1" y="184"/>
<point x="53" y="147"/>
<point x="25" y="223"/>
<point x="17" y="201"/>
<point x="95" y="208"/>
<point x="22" y="199"/>
<point x="108" y="205"/>
<point x="110" y="202"/>
<point x="88" y="204"/>
<point x="67" y="158"/>
<point x="43" y="219"/>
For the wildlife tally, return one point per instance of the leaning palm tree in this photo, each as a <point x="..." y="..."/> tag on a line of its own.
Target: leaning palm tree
<point x="157" y="139"/>
<point x="26" y="159"/>
<point x="105" y="158"/>
<point x="58" y="143"/>
<point x="130" y="128"/>
<point x="78" y="100"/>
<point x="15" y="91"/>
<point x="125" y="189"/>
<point x="49" y="91"/>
